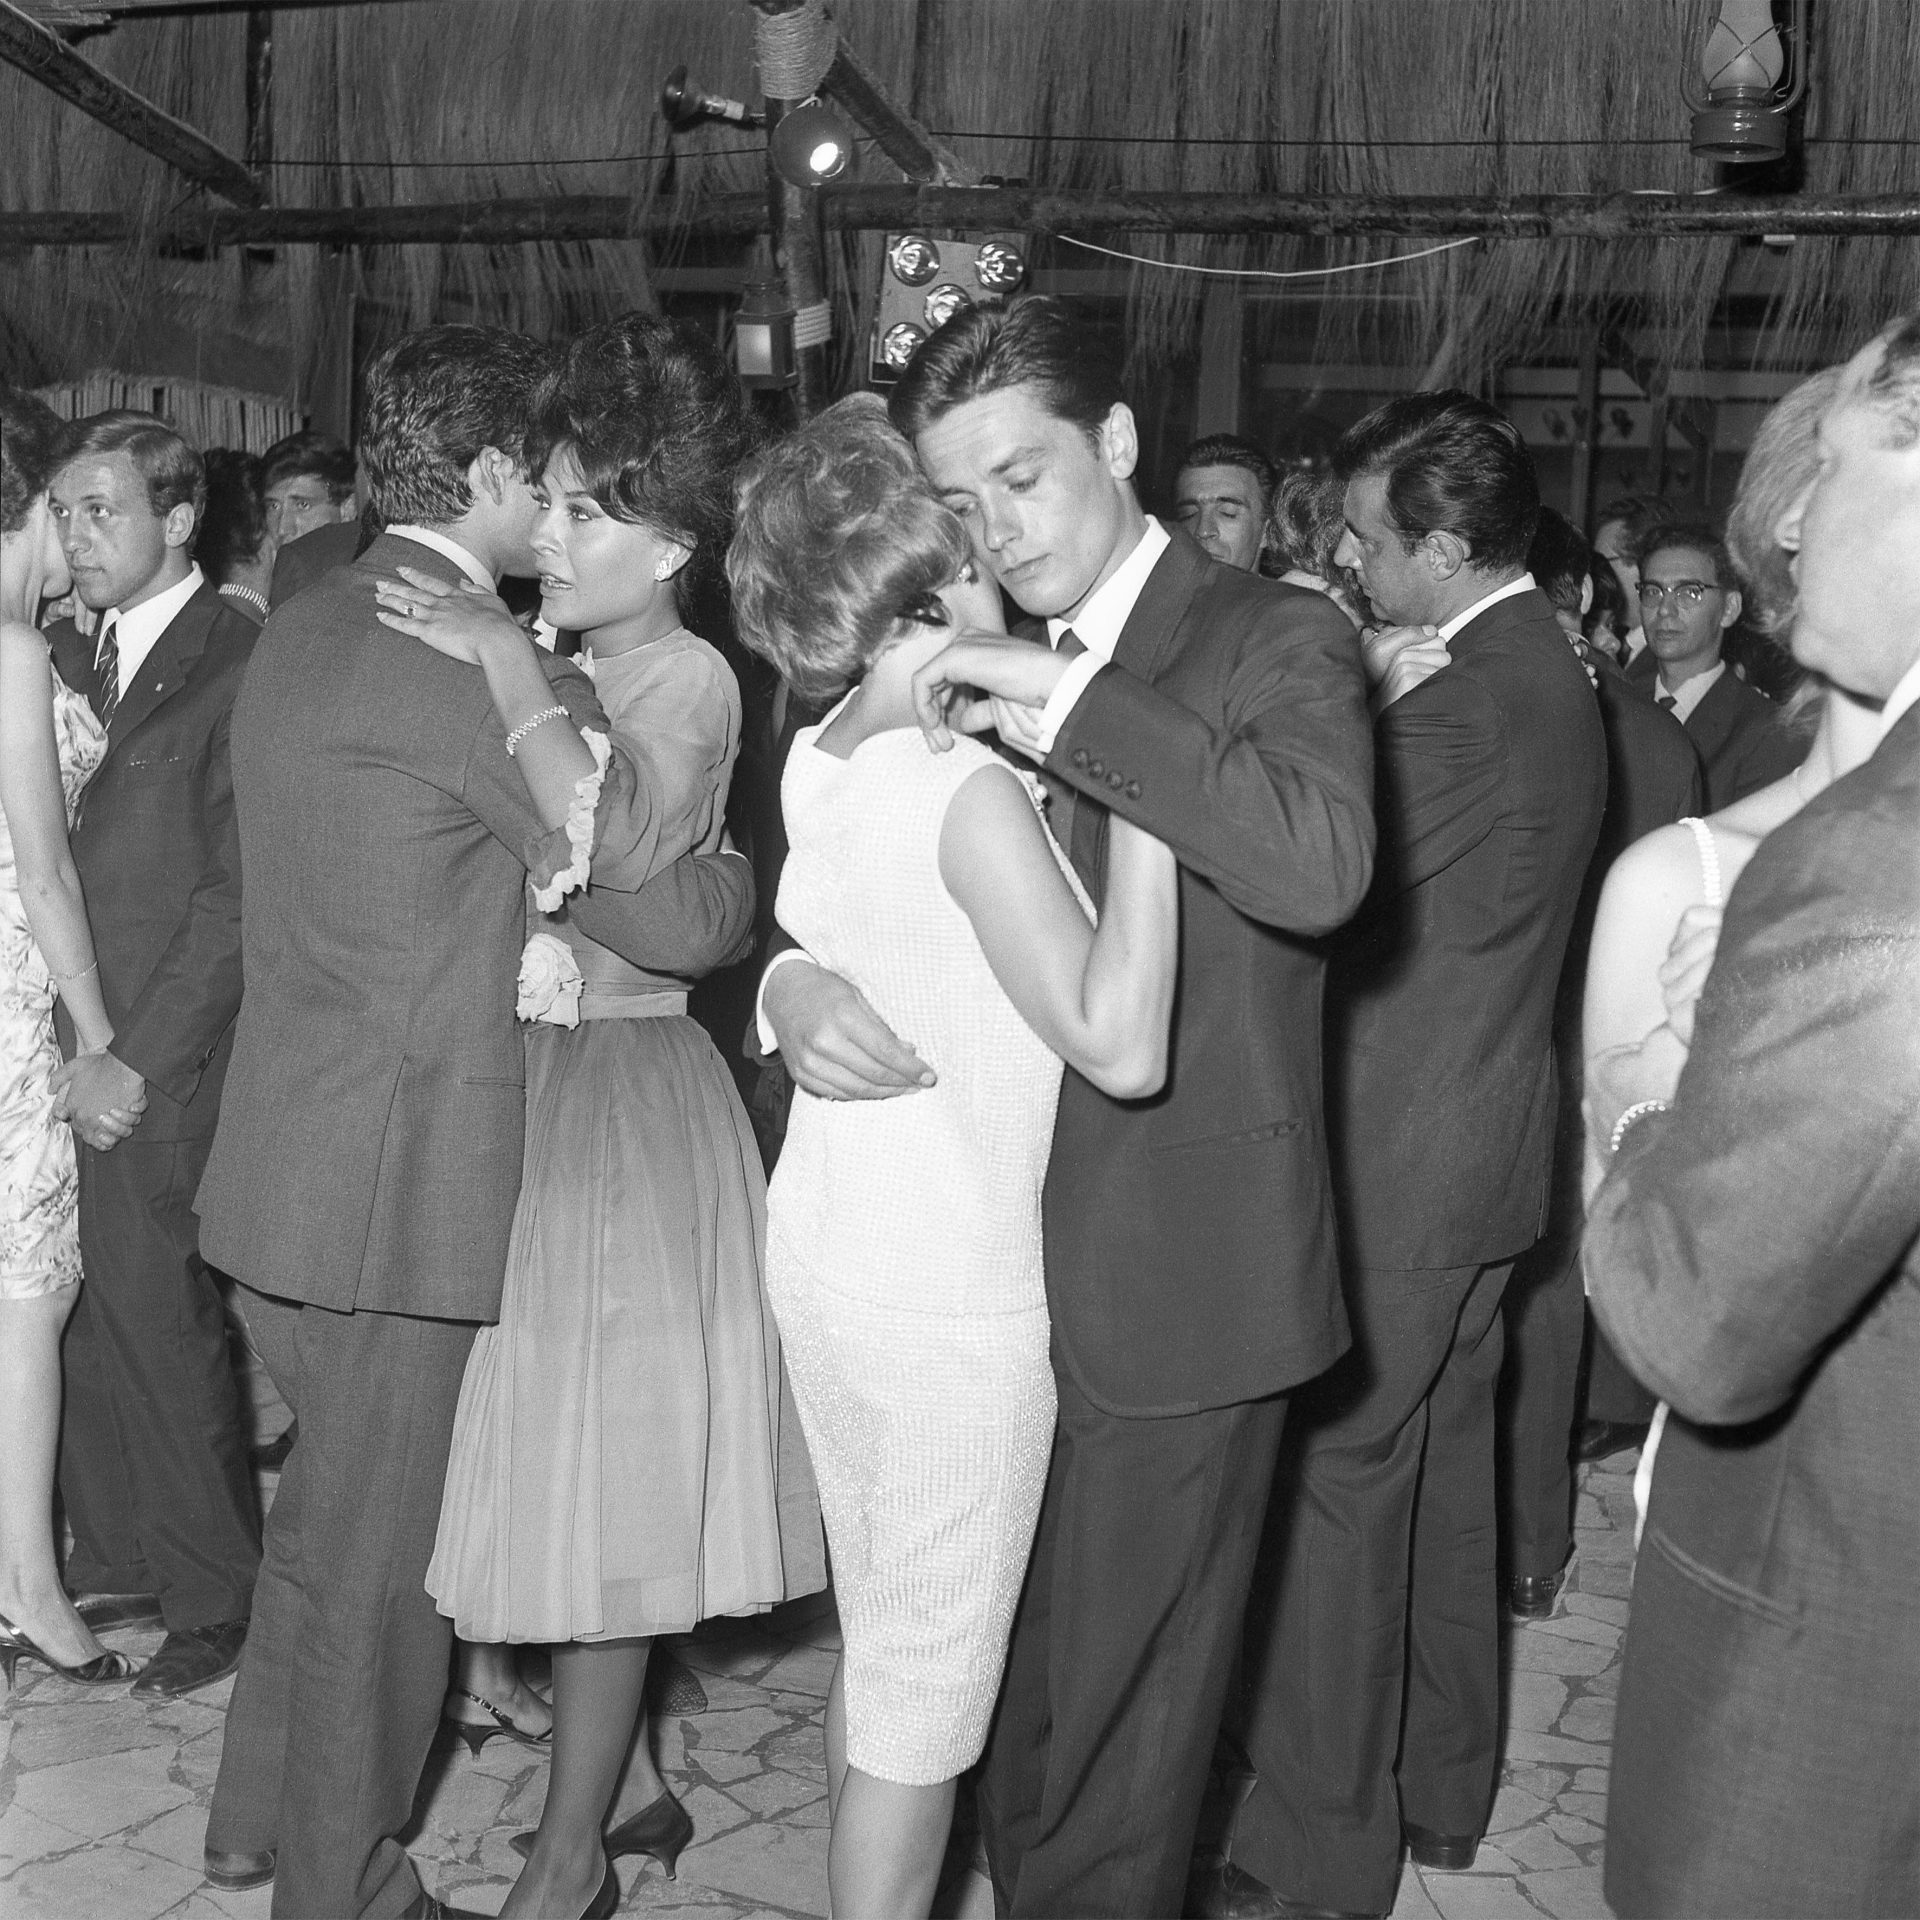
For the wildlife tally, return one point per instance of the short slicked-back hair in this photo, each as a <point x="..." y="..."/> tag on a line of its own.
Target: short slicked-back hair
<point x="1230" y="450"/>
<point x="1452" y="464"/>
<point x="1697" y="536"/>
<point x="29" y="442"/>
<point x="310" y="454"/>
<point x="436" y="400"/>
<point x="175" y="475"/>
<point x="837" y="538"/>
<point x="1040" y="342"/>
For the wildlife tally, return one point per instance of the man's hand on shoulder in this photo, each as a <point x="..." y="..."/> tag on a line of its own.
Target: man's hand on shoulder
<point x="987" y="682"/>
<point x="835" y="1045"/>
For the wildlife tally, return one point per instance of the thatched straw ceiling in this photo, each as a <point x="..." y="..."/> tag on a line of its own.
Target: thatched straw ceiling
<point x="449" y="99"/>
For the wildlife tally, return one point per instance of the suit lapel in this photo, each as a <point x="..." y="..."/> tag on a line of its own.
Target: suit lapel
<point x="164" y="671"/>
<point x="1712" y="720"/>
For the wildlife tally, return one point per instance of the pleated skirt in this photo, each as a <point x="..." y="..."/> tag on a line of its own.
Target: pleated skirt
<point x="626" y="1458"/>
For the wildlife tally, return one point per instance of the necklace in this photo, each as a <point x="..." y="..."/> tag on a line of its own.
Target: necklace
<point x="234" y="591"/>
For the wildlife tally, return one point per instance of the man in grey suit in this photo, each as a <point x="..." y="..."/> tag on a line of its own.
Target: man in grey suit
<point x="1754" y="1255"/>
<point x="363" y="1181"/>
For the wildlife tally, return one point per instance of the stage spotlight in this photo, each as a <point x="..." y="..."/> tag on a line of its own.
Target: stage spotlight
<point x="926" y="281"/>
<point x="914" y="259"/>
<point x="897" y="345"/>
<point x="809" y="145"/>
<point x="944" y="302"/>
<point x="1740" y="98"/>
<point x="684" y="105"/>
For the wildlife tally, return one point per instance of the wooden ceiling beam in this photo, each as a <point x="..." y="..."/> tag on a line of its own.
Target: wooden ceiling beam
<point x="43" y="56"/>
<point x="575" y="217"/>
<point x="94" y="13"/>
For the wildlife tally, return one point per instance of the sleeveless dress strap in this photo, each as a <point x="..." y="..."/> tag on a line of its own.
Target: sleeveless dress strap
<point x="1709" y="850"/>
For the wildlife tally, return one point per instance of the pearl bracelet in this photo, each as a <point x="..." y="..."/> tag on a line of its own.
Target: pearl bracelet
<point x="525" y="727"/>
<point x="1638" y="1111"/>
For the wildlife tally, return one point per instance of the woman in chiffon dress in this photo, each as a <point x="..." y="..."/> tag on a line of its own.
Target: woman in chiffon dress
<point x="50" y="745"/>
<point x="625" y="1460"/>
<point x="904" y="1236"/>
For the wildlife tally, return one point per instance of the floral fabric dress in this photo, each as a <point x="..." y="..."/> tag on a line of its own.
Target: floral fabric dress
<point x="626" y="1459"/>
<point x="39" y="1233"/>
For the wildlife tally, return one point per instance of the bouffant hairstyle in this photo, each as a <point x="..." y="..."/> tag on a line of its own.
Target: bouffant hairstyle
<point x="436" y="400"/>
<point x="1697" y="536"/>
<point x="1308" y="519"/>
<point x="29" y="440"/>
<point x="837" y="539"/>
<point x="1560" y="561"/>
<point x="1038" y="341"/>
<point x="310" y="454"/>
<point x="1780" y="463"/>
<point x="175" y="474"/>
<point x="234" y="527"/>
<point x="1452" y="464"/>
<point x="654" y="417"/>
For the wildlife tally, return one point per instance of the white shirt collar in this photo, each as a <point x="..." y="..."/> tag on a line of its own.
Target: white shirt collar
<point x="1522" y="585"/>
<point x="1906" y="694"/>
<point x="1097" y="625"/>
<point x="452" y="549"/>
<point x="136" y="630"/>
<point x="1690" y="692"/>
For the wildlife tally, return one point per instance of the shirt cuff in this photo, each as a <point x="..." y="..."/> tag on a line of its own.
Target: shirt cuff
<point x="769" y="1046"/>
<point x="1066" y="696"/>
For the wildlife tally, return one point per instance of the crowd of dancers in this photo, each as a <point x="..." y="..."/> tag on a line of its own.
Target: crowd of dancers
<point x="1210" y="1010"/>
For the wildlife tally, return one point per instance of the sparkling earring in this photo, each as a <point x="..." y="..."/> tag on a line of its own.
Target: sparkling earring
<point x="661" y="570"/>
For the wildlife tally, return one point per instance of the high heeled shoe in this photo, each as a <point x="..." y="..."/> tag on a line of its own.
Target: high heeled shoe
<point x="606" y="1903"/>
<point x="661" y="1828"/>
<point x="477" y="1737"/>
<point x="100" y="1671"/>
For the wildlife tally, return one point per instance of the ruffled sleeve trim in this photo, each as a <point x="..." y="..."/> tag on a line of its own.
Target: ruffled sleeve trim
<point x="579" y="828"/>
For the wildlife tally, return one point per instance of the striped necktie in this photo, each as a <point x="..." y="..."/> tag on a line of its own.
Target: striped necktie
<point x="106" y="669"/>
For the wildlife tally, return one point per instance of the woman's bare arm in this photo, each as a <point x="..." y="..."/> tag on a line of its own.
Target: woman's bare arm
<point x="1101" y="999"/>
<point x="31" y="798"/>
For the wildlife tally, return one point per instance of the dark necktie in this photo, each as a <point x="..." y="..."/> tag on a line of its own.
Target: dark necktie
<point x="107" y="669"/>
<point x="1665" y="700"/>
<point x="1069" y="644"/>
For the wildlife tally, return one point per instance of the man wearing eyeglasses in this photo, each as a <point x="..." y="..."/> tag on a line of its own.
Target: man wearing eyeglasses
<point x="1687" y="603"/>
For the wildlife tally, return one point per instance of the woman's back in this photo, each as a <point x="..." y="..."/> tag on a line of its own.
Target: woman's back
<point x="931" y="1201"/>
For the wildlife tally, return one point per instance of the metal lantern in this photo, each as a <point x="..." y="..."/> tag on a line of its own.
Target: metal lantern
<point x="763" y="346"/>
<point x="1743" y="91"/>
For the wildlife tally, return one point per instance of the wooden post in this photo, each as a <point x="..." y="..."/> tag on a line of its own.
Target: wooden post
<point x="260" y="94"/>
<point x="1223" y="319"/>
<point x="45" y="57"/>
<point x="1586" y="439"/>
<point x="799" y="260"/>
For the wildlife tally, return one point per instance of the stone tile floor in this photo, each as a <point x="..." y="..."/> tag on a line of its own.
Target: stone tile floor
<point x="103" y="1799"/>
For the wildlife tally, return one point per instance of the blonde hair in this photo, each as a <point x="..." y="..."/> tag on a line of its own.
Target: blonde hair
<point x="837" y="538"/>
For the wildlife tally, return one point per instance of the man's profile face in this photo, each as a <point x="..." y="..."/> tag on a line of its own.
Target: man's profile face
<point x="1399" y="584"/>
<point x="116" y="545"/>
<point x="1855" y="537"/>
<point x="1222" y="508"/>
<point x="1046" y="503"/>
<point x="1683" y="608"/>
<point x="300" y="503"/>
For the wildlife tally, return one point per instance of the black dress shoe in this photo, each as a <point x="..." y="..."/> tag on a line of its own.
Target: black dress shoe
<point x="1599" y="1438"/>
<point x="1536" y="1596"/>
<point x="103" y="1610"/>
<point x="235" y="1872"/>
<point x="1227" y="1892"/>
<point x="1444" y="1852"/>
<point x="191" y="1658"/>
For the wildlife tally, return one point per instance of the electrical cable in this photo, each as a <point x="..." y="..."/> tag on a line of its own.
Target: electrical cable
<point x="1261" y="273"/>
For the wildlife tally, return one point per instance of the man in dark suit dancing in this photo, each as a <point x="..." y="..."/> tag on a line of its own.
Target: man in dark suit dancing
<point x="1191" y="1273"/>
<point x="1373" y="1651"/>
<point x="1755" y="1255"/>
<point x="363" y="1181"/>
<point x="153" y="1458"/>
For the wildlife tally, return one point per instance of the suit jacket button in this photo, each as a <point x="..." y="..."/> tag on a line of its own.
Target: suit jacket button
<point x="1116" y="781"/>
<point x="1133" y="789"/>
<point x="1097" y="769"/>
<point x="1079" y="756"/>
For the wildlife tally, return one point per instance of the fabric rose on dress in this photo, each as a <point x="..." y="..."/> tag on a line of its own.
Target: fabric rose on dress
<point x="550" y="982"/>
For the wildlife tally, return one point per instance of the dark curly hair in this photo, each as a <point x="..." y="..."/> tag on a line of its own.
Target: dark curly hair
<point x="840" y="538"/>
<point x="29" y="438"/>
<point x="655" y="420"/>
<point x="234" y="527"/>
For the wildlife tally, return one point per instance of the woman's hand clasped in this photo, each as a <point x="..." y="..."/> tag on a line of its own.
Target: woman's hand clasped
<point x="461" y="622"/>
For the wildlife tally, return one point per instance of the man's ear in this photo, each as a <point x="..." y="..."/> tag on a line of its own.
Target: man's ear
<point x="1731" y="612"/>
<point x="1120" y="441"/>
<point x="179" y="524"/>
<point x="1447" y="553"/>
<point x="1586" y="595"/>
<point x="490" y="472"/>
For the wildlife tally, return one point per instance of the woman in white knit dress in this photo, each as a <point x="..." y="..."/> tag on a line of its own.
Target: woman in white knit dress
<point x="904" y="1252"/>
